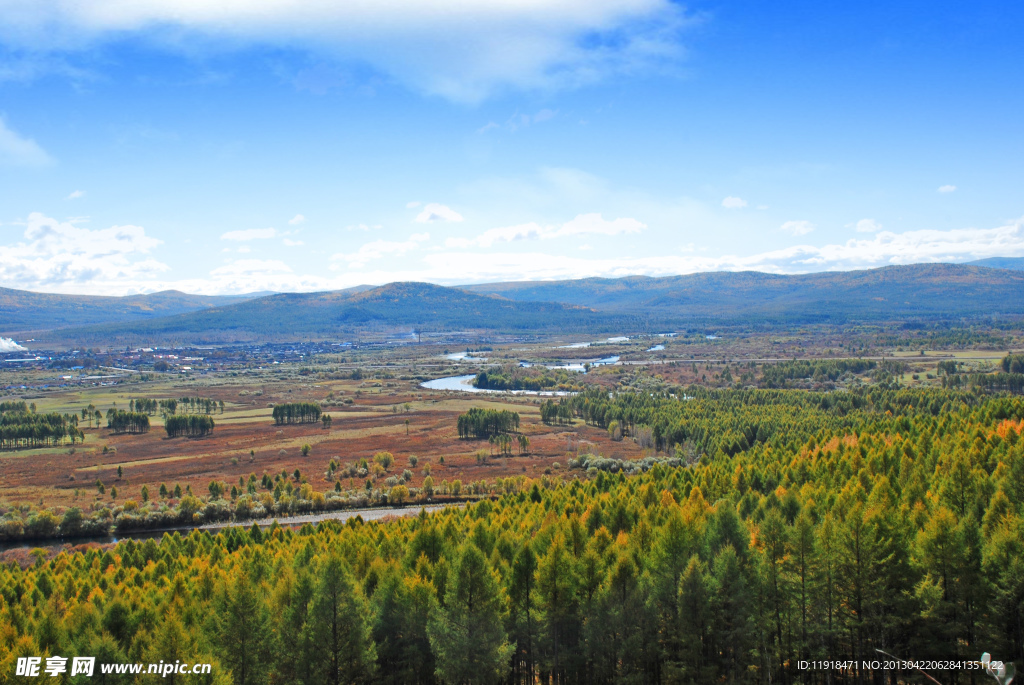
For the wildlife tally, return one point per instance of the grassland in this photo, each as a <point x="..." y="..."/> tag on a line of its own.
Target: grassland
<point x="246" y="440"/>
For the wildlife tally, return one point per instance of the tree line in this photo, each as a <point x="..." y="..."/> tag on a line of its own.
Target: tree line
<point x="483" y="423"/>
<point x="552" y="412"/>
<point x="120" y="421"/>
<point x="1010" y="377"/>
<point x="515" y="378"/>
<point x="145" y="405"/>
<point x="21" y="427"/>
<point x="731" y="421"/>
<point x="205" y="405"/>
<point x="189" y="425"/>
<point x="297" y="412"/>
<point x="820" y="370"/>
<point x="194" y="405"/>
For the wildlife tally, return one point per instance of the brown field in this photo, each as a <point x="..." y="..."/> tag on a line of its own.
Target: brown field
<point x="374" y="422"/>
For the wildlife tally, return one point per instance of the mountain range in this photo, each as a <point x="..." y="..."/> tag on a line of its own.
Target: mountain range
<point x="341" y="314"/>
<point x="892" y="292"/>
<point x="1013" y="263"/>
<point x="23" y="312"/>
<point x="918" y="292"/>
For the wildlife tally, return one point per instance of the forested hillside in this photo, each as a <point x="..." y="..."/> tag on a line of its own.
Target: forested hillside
<point x="891" y="293"/>
<point x="345" y="313"/>
<point x="22" y="311"/>
<point x="1014" y="263"/>
<point x="806" y="526"/>
<point x="896" y="294"/>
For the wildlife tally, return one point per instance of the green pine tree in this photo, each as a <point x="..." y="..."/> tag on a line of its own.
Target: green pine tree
<point x="466" y="634"/>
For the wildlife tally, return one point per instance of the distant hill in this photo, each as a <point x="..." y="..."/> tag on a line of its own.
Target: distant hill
<point x="1012" y="263"/>
<point x="888" y="293"/>
<point x="22" y="311"/>
<point x="344" y="313"/>
<point x="894" y="294"/>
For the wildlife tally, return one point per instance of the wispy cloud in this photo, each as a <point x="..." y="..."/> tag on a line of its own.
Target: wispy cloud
<point x="378" y="249"/>
<point x="797" y="228"/>
<point x="363" y="227"/>
<point x="734" y="202"/>
<point x="250" y="234"/>
<point x="251" y="267"/>
<point x="518" y="121"/>
<point x="75" y="195"/>
<point x="462" y="51"/>
<point x="292" y="243"/>
<point x="882" y="249"/>
<point x="584" y="224"/>
<point x="434" y="213"/>
<point x="947" y="189"/>
<point x="297" y="219"/>
<point x="866" y="226"/>
<point x="18" y="151"/>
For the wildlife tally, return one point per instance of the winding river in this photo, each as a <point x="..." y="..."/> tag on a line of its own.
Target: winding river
<point x="465" y="384"/>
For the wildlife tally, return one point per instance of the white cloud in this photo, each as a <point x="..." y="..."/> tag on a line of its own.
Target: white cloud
<point x="459" y="267"/>
<point x="297" y="219"/>
<point x="116" y="274"/>
<point x="583" y="224"/>
<point x="434" y="212"/>
<point x="18" y="151"/>
<point x="947" y="189"/>
<point x="797" y="228"/>
<point x="734" y="202"/>
<point x="52" y="254"/>
<point x="378" y="249"/>
<point x="75" y="194"/>
<point x="363" y="227"/>
<point x="866" y="226"/>
<point x="293" y="243"/>
<point x="456" y="49"/>
<point x="250" y="234"/>
<point x="8" y="345"/>
<point x="882" y="249"/>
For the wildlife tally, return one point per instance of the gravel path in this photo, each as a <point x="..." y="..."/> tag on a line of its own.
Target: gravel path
<point x="339" y="515"/>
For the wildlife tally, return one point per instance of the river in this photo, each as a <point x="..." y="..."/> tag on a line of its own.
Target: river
<point x="465" y="384"/>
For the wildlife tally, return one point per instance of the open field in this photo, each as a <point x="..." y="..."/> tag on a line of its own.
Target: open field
<point x="374" y="398"/>
<point x="246" y="441"/>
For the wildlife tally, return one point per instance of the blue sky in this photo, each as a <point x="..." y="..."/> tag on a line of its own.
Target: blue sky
<point x="232" y="146"/>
